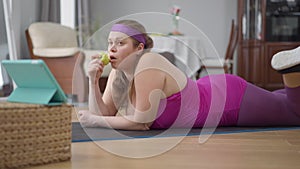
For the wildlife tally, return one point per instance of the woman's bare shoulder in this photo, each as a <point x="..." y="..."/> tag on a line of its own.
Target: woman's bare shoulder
<point x="154" y="61"/>
<point x="151" y="57"/>
<point x="161" y="65"/>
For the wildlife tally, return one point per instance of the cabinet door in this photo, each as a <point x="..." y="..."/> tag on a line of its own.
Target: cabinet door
<point x="250" y="63"/>
<point x="273" y="80"/>
<point x="251" y="19"/>
<point x="251" y="40"/>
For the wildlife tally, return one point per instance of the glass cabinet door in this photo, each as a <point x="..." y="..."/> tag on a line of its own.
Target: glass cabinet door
<point x="252" y="20"/>
<point x="283" y="20"/>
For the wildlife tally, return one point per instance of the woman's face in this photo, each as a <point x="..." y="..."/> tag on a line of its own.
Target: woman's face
<point x="120" y="48"/>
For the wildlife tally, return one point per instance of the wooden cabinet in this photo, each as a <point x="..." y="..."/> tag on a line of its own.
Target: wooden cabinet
<point x="273" y="80"/>
<point x="250" y="66"/>
<point x="255" y="51"/>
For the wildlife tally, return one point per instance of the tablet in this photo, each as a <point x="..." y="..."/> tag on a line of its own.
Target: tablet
<point x="34" y="82"/>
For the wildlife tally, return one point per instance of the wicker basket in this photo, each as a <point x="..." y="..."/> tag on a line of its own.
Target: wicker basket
<point x="33" y="134"/>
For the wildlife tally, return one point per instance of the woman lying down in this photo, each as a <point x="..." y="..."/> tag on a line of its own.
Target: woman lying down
<point x="145" y="91"/>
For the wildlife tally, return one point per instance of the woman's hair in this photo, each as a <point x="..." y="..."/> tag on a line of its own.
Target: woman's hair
<point x="120" y="83"/>
<point x="120" y="89"/>
<point x="139" y="27"/>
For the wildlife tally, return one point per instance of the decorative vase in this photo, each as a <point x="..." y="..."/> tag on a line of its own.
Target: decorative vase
<point x="175" y="20"/>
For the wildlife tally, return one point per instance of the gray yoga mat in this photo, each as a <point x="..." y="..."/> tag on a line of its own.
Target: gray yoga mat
<point x="80" y="134"/>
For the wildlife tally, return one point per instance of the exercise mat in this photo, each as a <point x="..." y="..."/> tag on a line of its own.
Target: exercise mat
<point x="80" y="134"/>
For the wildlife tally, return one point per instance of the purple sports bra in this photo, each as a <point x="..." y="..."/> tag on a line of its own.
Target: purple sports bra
<point x="213" y="95"/>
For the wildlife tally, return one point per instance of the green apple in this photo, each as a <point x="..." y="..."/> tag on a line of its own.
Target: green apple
<point x="104" y="58"/>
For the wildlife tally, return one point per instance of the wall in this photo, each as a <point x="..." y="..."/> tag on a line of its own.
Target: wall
<point x="213" y="17"/>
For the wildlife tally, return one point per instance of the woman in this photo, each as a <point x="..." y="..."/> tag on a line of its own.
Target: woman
<point x="146" y="91"/>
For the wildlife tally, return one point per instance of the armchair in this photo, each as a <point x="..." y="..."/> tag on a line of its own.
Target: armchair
<point x="57" y="45"/>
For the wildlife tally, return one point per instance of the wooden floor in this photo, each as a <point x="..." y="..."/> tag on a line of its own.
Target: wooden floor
<point x="252" y="150"/>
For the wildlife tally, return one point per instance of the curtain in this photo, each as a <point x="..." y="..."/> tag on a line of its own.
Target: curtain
<point x="50" y="10"/>
<point x="7" y="44"/>
<point x="83" y="21"/>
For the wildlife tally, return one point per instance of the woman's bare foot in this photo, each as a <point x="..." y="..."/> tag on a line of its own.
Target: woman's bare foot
<point x="291" y="80"/>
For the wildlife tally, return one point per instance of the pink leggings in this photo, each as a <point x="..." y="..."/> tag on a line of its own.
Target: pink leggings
<point x="260" y="107"/>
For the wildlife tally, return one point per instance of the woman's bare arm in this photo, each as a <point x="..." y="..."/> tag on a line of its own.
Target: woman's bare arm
<point x="116" y="122"/>
<point x="145" y="102"/>
<point x="98" y="104"/>
<point x="149" y="88"/>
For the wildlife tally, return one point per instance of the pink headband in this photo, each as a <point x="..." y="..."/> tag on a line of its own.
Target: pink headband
<point x="137" y="35"/>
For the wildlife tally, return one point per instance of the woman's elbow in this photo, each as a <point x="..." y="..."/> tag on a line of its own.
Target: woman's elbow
<point x="140" y="126"/>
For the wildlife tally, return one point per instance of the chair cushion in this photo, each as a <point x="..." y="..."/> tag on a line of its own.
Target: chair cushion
<point x="213" y="62"/>
<point x="52" y="35"/>
<point x="217" y="63"/>
<point x="55" y="52"/>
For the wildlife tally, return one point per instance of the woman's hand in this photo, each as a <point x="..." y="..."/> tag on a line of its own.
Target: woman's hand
<point x="87" y="119"/>
<point x="95" y="68"/>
